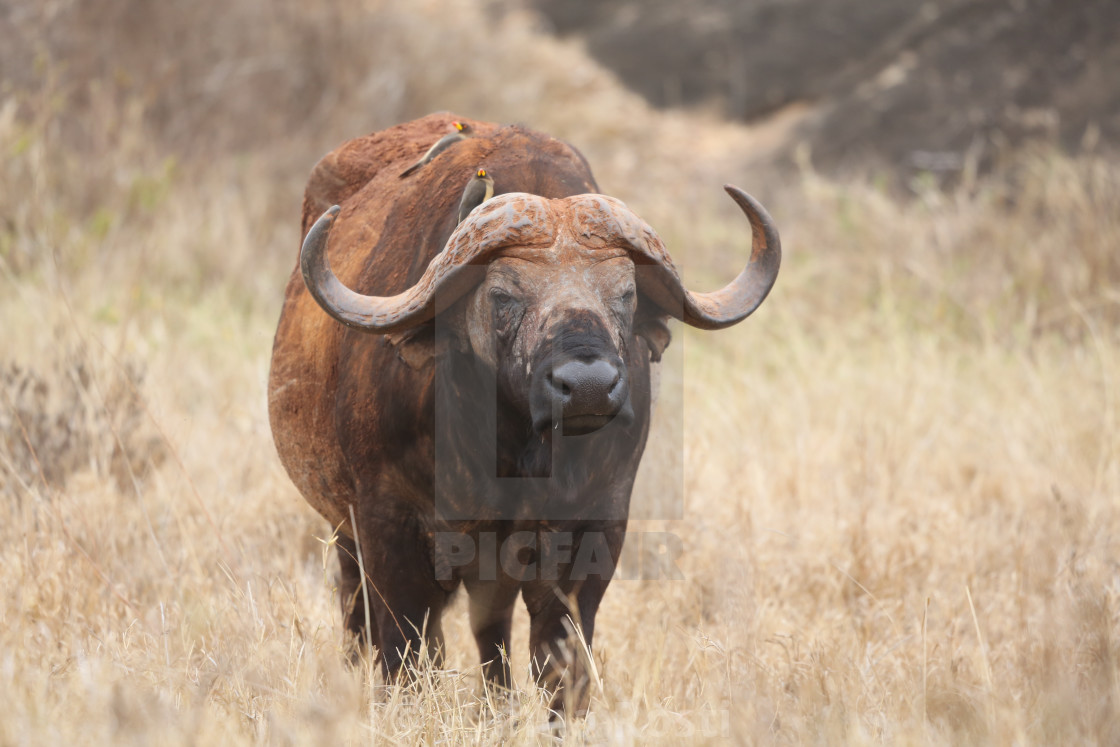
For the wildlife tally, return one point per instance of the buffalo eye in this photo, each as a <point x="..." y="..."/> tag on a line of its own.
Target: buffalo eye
<point x="500" y="298"/>
<point x="506" y="310"/>
<point x="622" y="307"/>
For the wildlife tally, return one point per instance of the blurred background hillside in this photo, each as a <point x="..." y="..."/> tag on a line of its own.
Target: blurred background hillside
<point x="907" y="84"/>
<point x="900" y="475"/>
<point x="112" y="106"/>
<point x="866" y="84"/>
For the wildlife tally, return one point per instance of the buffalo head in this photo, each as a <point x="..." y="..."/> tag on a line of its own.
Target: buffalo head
<point x="553" y="296"/>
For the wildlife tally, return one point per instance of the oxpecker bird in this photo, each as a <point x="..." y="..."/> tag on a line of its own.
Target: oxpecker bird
<point x="478" y="190"/>
<point x="462" y="132"/>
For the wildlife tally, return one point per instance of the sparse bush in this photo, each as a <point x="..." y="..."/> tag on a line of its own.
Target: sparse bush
<point x="61" y="421"/>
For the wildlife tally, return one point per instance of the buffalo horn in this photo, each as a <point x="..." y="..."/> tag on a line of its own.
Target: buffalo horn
<point x="528" y="220"/>
<point x="519" y="219"/>
<point x="718" y="309"/>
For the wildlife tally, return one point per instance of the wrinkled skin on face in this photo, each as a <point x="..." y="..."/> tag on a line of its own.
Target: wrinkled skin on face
<point x="554" y="324"/>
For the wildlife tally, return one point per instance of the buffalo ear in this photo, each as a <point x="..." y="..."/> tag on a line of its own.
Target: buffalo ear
<point x="656" y="334"/>
<point x="415" y="346"/>
<point x="419" y="346"/>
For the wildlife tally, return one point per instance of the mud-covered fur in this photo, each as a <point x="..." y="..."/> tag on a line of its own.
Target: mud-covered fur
<point x="428" y="433"/>
<point x="468" y="401"/>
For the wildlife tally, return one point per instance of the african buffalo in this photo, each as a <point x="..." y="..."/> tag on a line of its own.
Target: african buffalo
<point x="440" y="389"/>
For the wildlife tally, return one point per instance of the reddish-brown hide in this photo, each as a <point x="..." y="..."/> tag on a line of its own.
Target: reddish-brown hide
<point x="549" y="333"/>
<point x="406" y="222"/>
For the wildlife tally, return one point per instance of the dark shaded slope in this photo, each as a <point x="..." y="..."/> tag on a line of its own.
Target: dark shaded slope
<point x="901" y="83"/>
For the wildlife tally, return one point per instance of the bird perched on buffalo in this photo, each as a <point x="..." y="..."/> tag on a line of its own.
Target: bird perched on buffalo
<point x="462" y="132"/>
<point x="478" y="190"/>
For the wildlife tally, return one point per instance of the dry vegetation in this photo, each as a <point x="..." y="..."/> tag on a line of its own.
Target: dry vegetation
<point x="900" y="477"/>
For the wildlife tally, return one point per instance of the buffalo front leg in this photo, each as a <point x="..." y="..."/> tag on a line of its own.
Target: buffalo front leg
<point x="351" y="596"/>
<point x="491" y="613"/>
<point x="559" y="605"/>
<point x="406" y="602"/>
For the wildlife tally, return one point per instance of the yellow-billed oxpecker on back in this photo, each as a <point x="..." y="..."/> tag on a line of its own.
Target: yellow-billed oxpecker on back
<point x="467" y="399"/>
<point x="462" y="132"/>
<point x="478" y="190"/>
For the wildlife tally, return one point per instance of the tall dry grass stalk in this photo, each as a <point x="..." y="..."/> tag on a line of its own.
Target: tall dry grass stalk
<point x="900" y="477"/>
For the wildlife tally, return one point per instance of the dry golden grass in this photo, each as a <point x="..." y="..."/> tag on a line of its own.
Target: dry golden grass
<point x="900" y="476"/>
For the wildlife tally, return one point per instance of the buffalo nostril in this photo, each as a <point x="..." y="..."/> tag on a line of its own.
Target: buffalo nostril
<point x="558" y="384"/>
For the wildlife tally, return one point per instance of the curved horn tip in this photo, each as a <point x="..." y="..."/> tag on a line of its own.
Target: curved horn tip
<point x="313" y="250"/>
<point x="319" y="230"/>
<point x="740" y="196"/>
<point x="323" y="222"/>
<point x="759" y="217"/>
